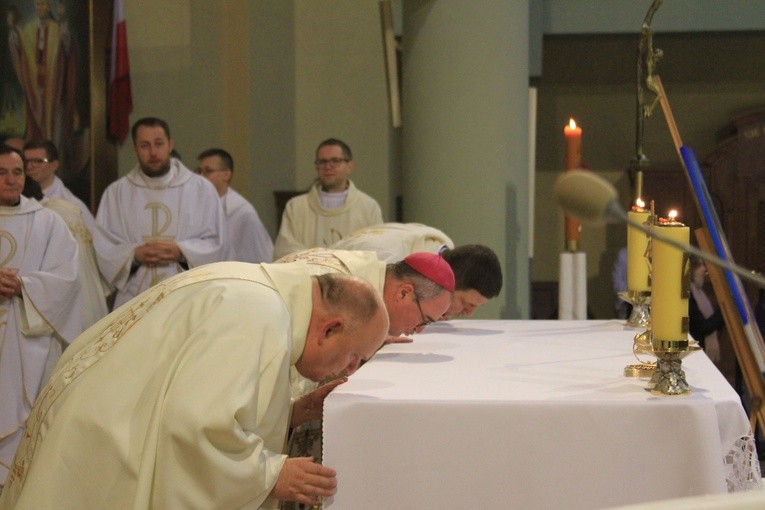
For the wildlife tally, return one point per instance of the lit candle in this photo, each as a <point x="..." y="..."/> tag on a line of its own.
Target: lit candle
<point x="573" y="160"/>
<point x="670" y="289"/>
<point x="637" y="244"/>
<point x="573" y="145"/>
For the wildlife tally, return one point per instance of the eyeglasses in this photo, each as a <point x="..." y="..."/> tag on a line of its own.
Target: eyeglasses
<point x="425" y="320"/>
<point x="330" y="161"/>
<point x="37" y="161"/>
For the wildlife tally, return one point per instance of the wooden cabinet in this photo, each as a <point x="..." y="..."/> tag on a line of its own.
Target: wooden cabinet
<point x="735" y="174"/>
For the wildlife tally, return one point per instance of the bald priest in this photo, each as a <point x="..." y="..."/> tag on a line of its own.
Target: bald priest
<point x="181" y="397"/>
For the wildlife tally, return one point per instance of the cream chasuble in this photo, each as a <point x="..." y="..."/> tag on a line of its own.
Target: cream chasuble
<point x="180" y="206"/>
<point x="191" y="412"/>
<point x="35" y="327"/>
<point x="93" y="287"/>
<point x="392" y="242"/>
<point x="306" y="224"/>
<point x="58" y="190"/>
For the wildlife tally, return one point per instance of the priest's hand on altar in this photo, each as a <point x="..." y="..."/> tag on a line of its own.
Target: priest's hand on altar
<point x="310" y="406"/>
<point x="157" y="253"/>
<point x="304" y="481"/>
<point x="398" y="340"/>
<point x="10" y="284"/>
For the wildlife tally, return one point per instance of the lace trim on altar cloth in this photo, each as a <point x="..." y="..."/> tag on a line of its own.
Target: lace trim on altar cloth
<point x="742" y="467"/>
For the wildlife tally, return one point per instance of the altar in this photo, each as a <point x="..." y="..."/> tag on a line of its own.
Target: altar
<point x="529" y="414"/>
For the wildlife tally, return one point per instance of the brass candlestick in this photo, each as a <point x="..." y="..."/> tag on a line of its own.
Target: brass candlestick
<point x="668" y="375"/>
<point x="640" y="316"/>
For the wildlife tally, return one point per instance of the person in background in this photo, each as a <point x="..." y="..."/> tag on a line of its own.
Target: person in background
<point x="93" y="288"/>
<point x="248" y="239"/>
<point x="332" y="208"/>
<point x="705" y="319"/>
<point x="39" y="300"/>
<point x="158" y="220"/>
<point x="42" y="165"/>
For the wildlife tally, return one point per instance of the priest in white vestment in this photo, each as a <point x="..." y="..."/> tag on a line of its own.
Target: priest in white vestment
<point x="93" y="287"/>
<point x="144" y="412"/>
<point x="476" y="267"/>
<point x="248" y="239"/>
<point x="417" y="290"/>
<point x="394" y="241"/>
<point x="158" y="220"/>
<point x="333" y="207"/>
<point x="39" y="300"/>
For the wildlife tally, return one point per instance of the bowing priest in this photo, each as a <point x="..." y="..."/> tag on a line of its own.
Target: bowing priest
<point x="145" y="412"/>
<point x="476" y="267"/>
<point x="39" y="300"/>
<point x="158" y="220"/>
<point x="393" y="241"/>
<point x="417" y="290"/>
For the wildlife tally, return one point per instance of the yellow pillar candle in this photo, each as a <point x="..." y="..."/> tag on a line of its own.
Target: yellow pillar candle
<point x="637" y="243"/>
<point x="670" y="289"/>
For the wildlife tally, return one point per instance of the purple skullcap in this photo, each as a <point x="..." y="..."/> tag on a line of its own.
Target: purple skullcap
<point x="433" y="267"/>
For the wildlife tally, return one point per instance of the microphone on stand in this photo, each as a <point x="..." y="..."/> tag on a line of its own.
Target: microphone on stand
<point x="594" y="201"/>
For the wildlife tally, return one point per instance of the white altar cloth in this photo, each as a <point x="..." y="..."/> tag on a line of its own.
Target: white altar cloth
<point x="529" y="414"/>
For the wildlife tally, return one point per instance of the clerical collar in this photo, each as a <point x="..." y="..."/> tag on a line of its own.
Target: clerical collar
<point x="334" y="200"/>
<point x="159" y="181"/>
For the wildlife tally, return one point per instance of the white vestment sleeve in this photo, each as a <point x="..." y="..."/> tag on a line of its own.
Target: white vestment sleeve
<point x="114" y="248"/>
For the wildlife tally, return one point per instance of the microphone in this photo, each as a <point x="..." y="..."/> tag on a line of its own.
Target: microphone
<point x="594" y="201"/>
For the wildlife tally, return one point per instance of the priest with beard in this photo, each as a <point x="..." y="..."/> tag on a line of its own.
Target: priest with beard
<point x="158" y="220"/>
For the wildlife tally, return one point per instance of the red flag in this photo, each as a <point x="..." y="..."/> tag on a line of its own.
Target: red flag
<point x="120" y="97"/>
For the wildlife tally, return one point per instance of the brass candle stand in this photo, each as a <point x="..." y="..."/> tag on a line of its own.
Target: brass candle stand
<point x="640" y="317"/>
<point x="668" y="376"/>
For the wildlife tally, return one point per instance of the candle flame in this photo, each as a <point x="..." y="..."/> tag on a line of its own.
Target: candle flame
<point x="639" y="203"/>
<point x="672" y="214"/>
<point x="571" y="123"/>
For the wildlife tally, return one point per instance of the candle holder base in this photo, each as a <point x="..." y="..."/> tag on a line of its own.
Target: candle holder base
<point x="668" y="377"/>
<point x="640" y="370"/>
<point x="641" y="311"/>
